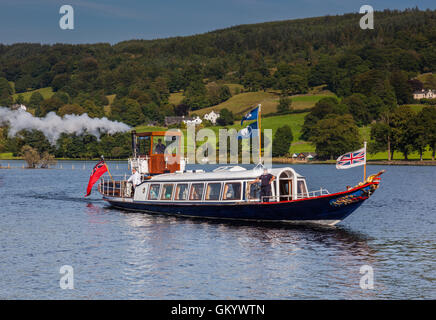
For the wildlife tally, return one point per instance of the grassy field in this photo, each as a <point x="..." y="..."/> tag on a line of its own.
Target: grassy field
<point x="416" y="107"/>
<point x="428" y="79"/>
<point x="7" y="155"/>
<point x="46" y="93"/>
<point x="235" y="88"/>
<point x="176" y="98"/>
<point x="308" y="100"/>
<point x="243" y="102"/>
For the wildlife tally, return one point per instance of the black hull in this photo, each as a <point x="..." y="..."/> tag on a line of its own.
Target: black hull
<point x="328" y="209"/>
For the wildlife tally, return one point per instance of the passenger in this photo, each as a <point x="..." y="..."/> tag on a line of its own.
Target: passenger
<point x="160" y="147"/>
<point x="265" y="185"/>
<point x="153" y="194"/>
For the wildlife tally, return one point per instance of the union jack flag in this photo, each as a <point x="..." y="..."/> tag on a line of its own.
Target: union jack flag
<point x="352" y="159"/>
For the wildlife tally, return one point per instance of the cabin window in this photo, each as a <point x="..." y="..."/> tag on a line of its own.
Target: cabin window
<point x="153" y="194"/>
<point x="253" y="190"/>
<point x="285" y="189"/>
<point x="232" y="191"/>
<point x="181" y="191"/>
<point x="301" y="188"/>
<point x="196" y="191"/>
<point x="167" y="192"/>
<point x="213" y="191"/>
<point x="143" y="146"/>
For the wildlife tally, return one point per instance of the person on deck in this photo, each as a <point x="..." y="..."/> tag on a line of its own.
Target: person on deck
<point x="265" y="185"/>
<point x="160" y="147"/>
<point x="135" y="178"/>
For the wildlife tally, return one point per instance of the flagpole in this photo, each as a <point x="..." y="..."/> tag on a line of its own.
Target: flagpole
<point x="364" y="166"/>
<point x="102" y="158"/>
<point x="260" y="134"/>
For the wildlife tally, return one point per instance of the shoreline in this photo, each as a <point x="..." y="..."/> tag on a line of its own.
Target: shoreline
<point x="369" y="162"/>
<point x="284" y="161"/>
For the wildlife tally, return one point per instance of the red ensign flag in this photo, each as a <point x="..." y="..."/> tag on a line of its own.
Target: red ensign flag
<point x="97" y="172"/>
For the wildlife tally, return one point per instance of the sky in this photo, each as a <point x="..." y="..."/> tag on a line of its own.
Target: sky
<point x="114" y="21"/>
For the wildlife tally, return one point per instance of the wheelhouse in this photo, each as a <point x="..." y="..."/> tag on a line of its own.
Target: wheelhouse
<point x="149" y="156"/>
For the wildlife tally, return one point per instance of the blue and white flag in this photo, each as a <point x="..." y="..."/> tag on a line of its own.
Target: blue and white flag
<point x="249" y="131"/>
<point x="252" y="115"/>
<point x="352" y="159"/>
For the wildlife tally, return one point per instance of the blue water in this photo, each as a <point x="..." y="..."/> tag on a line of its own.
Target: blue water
<point x="45" y="223"/>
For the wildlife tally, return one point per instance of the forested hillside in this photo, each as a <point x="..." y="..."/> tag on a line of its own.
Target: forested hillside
<point x="371" y="71"/>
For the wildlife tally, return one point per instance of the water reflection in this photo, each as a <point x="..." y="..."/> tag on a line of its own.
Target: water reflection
<point x="259" y="255"/>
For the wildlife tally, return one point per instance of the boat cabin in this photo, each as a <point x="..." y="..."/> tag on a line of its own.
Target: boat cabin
<point x="149" y="156"/>
<point x="224" y="184"/>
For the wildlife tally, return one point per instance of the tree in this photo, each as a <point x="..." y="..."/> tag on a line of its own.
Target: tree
<point x="70" y="109"/>
<point x="358" y="107"/>
<point x="293" y="84"/>
<point x="35" y="100"/>
<point x="335" y="135"/>
<point x="128" y="111"/>
<point x="48" y="105"/>
<point x="63" y="96"/>
<point x="322" y="109"/>
<point x="92" y="110"/>
<point x="226" y="117"/>
<point x="402" y="88"/>
<point x="284" y="105"/>
<point x="31" y="156"/>
<point x="402" y="132"/>
<point x="282" y="141"/>
<point x="47" y="160"/>
<point x="20" y="99"/>
<point x="427" y="120"/>
<point x="195" y="96"/>
<point x="5" y="93"/>
<point x="381" y="135"/>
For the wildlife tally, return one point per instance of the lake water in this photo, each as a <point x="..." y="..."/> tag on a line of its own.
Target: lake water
<point x="45" y="223"/>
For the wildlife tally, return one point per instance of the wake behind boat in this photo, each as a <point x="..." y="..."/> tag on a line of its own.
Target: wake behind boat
<point x="228" y="192"/>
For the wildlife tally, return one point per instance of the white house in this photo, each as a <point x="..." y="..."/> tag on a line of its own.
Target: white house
<point x="195" y="121"/>
<point x="424" y="94"/>
<point x="19" y="107"/>
<point x="212" y="116"/>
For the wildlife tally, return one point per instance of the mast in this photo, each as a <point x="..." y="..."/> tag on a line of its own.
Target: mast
<point x="364" y="166"/>
<point x="260" y="134"/>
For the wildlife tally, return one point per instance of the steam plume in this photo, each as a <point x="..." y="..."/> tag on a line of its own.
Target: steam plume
<point x="52" y="126"/>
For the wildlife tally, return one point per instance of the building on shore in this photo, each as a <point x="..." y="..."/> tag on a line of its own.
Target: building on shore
<point x="176" y="120"/>
<point x="212" y="117"/>
<point x="306" y="156"/>
<point x="424" y="94"/>
<point x="19" y="107"/>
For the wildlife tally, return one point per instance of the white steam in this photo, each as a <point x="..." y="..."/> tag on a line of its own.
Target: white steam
<point x="52" y="126"/>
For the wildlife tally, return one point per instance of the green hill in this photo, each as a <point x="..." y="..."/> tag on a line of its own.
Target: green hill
<point x="243" y="102"/>
<point x="45" y="92"/>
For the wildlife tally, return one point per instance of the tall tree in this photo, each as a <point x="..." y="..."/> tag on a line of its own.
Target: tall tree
<point x="282" y="141"/>
<point x="335" y="135"/>
<point x="427" y="121"/>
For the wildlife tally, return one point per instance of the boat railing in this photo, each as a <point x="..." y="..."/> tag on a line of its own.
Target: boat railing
<point x="303" y="195"/>
<point x="116" y="187"/>
<point x="312" y="194"/>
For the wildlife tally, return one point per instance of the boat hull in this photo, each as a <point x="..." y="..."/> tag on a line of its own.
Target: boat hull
<point x="327" y="209"/>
